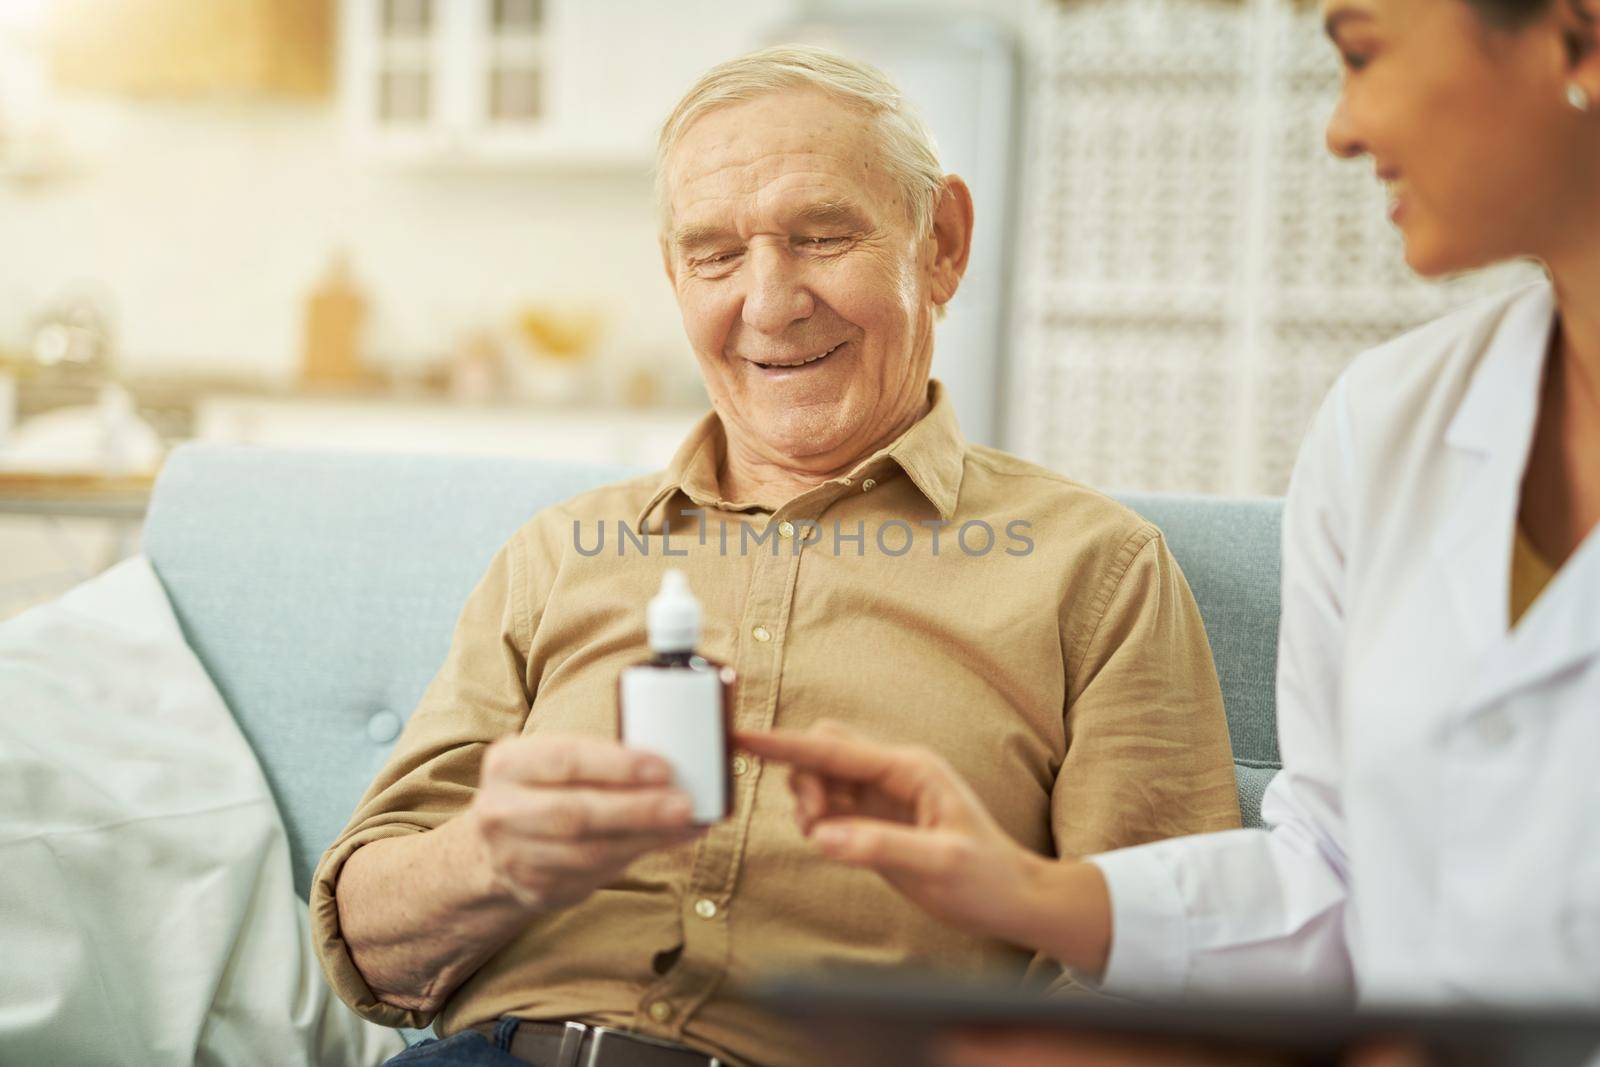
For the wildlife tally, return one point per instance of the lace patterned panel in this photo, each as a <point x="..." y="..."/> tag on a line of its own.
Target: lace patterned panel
<point x="1194" y="268"/>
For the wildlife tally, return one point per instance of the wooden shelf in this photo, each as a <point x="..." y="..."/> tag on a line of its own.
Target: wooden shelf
<point x="75" y="493"/>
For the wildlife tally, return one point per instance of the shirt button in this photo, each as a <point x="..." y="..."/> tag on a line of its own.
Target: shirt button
<point x="762" y="634"/>
<point x="740" y="765"/>
<point x="660" y="1011"/>
<point x="868" y="483"/>
<point x="383" y="727"/>
<point x="705" y="908"/>
<point x="786" y="529"/>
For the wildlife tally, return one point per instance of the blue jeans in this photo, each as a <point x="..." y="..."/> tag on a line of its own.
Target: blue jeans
<point x="466" y="1049"/>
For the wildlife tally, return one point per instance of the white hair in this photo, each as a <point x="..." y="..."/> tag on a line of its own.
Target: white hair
<point x="905" y="145"/>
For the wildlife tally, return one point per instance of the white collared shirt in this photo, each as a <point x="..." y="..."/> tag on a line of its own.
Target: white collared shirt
<point x="1435" y="832"/>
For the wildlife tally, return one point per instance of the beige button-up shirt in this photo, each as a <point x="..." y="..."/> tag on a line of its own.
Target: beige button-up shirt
<point x="1036" y="633"/>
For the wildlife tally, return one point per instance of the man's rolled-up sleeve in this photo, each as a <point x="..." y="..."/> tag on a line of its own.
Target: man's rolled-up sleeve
<point x="1148" y="755"/>
<point x="479" y="694"/>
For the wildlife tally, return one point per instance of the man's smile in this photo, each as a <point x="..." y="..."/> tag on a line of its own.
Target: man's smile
<point x="792" y="365"/>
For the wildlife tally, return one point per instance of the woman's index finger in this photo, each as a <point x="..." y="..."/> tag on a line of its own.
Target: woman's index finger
<point x="852" y="758"/>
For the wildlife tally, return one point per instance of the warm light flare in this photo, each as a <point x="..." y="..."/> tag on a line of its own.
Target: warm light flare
<point x="22" y="14"/>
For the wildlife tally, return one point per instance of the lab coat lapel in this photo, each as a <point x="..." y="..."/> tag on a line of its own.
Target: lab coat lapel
<point x="1475" y="552"/>
<point x="1490" y="437"/>
<point x="1488" y="440"/>
<point x="1560" y="631"/>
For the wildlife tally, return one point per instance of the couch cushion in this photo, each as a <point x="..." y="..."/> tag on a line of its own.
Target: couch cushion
<point x="320" y="591"/>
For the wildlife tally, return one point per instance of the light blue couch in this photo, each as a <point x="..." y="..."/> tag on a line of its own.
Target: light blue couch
<point x="320" y="590"/>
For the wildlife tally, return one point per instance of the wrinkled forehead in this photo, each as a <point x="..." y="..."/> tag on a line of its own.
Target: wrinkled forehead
<point x="752" y="164"/>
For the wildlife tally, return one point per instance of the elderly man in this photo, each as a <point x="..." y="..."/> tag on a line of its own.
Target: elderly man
<point x="515" y="872"/>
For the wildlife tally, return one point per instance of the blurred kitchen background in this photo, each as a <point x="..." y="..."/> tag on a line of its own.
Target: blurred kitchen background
<point x="427" y="225"/>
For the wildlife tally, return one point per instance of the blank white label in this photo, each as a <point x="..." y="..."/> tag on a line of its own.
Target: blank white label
<point x="677" y="714"/>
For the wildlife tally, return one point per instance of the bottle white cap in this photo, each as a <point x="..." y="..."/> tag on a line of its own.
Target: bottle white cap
<point x="673" y="617"/>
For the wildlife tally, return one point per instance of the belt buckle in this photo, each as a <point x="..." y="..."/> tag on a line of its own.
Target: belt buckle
<point x="571" y="1045"/>
<point x="599" y="1034"/>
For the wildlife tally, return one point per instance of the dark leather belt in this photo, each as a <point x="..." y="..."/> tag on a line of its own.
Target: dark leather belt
<point x="578" y="1045"/>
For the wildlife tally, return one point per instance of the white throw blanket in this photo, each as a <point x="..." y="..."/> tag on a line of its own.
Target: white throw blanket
<point x="147" y="912"/>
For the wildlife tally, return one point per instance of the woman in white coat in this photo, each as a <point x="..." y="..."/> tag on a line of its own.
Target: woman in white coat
<point x="1435" y="832"/>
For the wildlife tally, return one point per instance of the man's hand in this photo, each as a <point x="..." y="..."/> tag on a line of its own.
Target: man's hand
<point x="559" y="817"/>
<point x="905" y="813"/>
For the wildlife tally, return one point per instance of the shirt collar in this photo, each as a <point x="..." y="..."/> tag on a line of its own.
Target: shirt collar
<point x="692" y="472"/>
<point x="932" y="454"/>
<point x="1502" y="397"/>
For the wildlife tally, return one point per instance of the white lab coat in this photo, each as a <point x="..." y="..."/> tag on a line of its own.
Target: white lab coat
<point x="1435" y="832"/>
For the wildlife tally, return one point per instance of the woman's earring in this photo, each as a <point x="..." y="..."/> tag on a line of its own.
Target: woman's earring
<point x="1578" y="97"/>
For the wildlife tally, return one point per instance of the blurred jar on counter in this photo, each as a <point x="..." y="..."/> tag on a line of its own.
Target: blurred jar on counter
<point x="72" y="341"/>
<point x="67" y="410"/>
<point x="555" y="344"/>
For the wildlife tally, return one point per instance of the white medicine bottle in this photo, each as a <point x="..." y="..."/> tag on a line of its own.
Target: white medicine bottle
<point x="677" y="704"/>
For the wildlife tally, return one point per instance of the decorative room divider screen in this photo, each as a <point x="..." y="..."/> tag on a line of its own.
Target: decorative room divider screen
<point x="1194" y="268"/>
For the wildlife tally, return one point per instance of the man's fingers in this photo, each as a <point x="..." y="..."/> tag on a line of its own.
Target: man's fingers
<point x="890" y="849"/>
<point x="559" y="760"/>
<point x="602" y="856"/>
<point x="574" y="813"/>
<point x="551" y="874"/>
